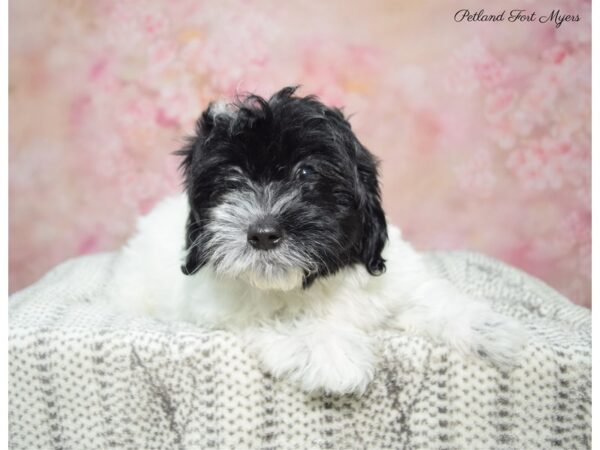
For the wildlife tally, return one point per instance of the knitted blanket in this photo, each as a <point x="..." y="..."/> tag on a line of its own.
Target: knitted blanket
<point x="82" y="377"/>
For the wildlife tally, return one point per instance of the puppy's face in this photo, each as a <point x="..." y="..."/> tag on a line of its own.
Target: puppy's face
<point x="281" y="192"/>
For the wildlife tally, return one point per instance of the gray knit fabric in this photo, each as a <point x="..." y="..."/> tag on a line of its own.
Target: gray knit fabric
<point x="82" y="377"/>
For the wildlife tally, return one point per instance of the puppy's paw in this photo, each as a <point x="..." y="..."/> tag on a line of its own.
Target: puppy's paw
<point x="319" y="360"/>
<point x="498" y="338"/>
<point x="337" y="367"/>
<point x="486" y="334"/>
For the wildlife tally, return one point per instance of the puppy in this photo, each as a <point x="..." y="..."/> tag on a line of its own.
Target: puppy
<point x="280" y="236"/>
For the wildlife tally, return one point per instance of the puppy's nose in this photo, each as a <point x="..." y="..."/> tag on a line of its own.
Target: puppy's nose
<point x="264" y="235"/>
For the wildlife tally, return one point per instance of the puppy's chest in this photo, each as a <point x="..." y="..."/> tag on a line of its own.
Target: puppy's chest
<point x="232" y="303"/>
<point x="264" y="307"/>
<point x="296" y="305"/>
<point x="281" y="306"/>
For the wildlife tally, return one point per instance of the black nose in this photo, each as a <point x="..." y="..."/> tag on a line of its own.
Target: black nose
<point x="264" y="235"/>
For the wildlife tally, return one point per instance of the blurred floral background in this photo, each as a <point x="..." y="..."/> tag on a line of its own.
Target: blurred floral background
<point x="483" y="128"/>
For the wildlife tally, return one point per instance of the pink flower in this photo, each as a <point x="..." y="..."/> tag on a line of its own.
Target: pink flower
<point x="154" y="23"/>
<point x="576" y="227"/>
<point x="473" y="66"/>
<point x="475" y="175"/>
<point x="498" y="103"/>
<point x="87" y="244"/>
<point x="545" y="164"/>
<point x="555" y="54"/>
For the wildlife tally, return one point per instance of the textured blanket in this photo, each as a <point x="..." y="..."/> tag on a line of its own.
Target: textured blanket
<point x="82" y="377"/>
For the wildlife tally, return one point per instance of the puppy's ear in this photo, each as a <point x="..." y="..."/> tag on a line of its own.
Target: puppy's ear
<point x="195" y="143"/>
<point x="191" y="153"/>
<point x="195" y="257"/>
<point x="374" y="227"/>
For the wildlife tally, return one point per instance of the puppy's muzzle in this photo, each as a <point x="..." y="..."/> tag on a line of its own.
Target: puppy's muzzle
<point x="265" y="234"/>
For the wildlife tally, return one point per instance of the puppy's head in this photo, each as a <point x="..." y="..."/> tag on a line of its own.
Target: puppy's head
<point x="281" y="192"/>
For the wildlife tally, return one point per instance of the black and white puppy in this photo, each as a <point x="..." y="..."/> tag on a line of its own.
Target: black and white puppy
<point x="281" y="237"/>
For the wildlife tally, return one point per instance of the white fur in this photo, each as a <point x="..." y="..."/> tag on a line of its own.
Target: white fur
<point x="319" y="337"/>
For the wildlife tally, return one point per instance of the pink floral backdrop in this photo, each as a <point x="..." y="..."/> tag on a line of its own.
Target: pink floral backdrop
<point x="483" y="128"/>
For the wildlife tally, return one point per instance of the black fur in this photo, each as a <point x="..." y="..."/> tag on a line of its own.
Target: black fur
<point x="337" y="218"/>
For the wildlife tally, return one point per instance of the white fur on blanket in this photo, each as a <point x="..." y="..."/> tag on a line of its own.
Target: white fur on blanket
<point x="83" y="377"/>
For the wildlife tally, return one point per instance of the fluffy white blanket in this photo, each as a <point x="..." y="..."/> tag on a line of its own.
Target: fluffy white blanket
<point x="82" y="377"/>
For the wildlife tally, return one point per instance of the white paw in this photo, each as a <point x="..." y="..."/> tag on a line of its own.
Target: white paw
<point x="479" y="331"/>
<point x="319" y="359"/>
<point x="498" y="338"/>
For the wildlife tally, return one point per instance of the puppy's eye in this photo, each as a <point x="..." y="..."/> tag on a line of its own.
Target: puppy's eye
<point x="305" y="172"/>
